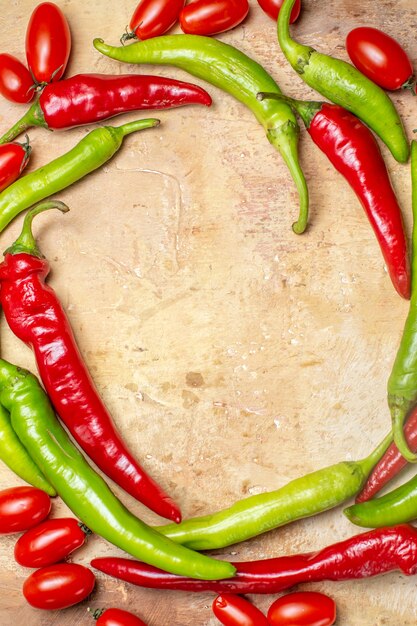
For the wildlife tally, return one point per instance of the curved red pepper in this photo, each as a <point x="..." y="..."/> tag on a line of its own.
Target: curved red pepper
<point x="36" y="316"/>
<point x="367" y="554"/>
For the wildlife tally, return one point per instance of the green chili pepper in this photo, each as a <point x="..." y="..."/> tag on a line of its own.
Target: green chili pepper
<point x="90" y="153"/>
<point x="82" y="489"/>
<point x="302" y="497"/>
<point x="229" y="69"/>
<point x="402" y="383"/>
<point x="343" y="84"/>
<point x="15" y="456"/>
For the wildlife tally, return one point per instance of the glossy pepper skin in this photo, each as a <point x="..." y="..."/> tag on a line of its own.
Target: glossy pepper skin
<point x="232" y="610"/>
<point x="82" y="489"/>
<point x="14" y="157"/>
<point x="36" y="316"/>
<point x="361" y="556"/>
<point x="88" y="98"/>
<point x="300" y="498"/>
<point x="354" y="152"/>
<point x="343" y="84"/>
<point x="15" y="456"/>
<point x="89" y="154"/>
<point x="232" y="71"/>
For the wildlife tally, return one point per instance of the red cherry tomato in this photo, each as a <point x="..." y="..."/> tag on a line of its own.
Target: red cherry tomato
<point x="233" y="610"/>
<point x="13" y="159"/>
<point x="306" y="608"/>
<point x="272" y="7"/>
<point x="379" y="57"/>
<point x="16" y="83"/>
<point x="154" y="17"/>
<point x="209" y="17"/>
<point x="48" y="43"/>
<point x="22" y="507"/>
<point x="118" y="617"/>
<point x="58" y="586"/>
<point x="50" y="542"/>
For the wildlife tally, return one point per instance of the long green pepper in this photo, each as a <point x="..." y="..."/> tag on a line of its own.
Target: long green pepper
<point x="82" y="489"/>
<point x="343" y="84"/>
<point x="232" y="71"/>
<point x="90" y="153"/>
<point x="303" y="497"/>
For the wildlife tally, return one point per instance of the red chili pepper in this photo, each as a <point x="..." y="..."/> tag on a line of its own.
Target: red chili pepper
<point x="88" y="98"/>
<point x="391" y="463"/>
<point x="36" y="316"/>
<point x="354" y="152"/>
<point x="233" y="610"/>
<point x="367" y="554"/>
<point x="14" y="157"/>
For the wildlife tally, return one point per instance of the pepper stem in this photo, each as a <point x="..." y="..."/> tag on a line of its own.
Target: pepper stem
<point x="297" y="54"/>
<point x="26" y="241"/>
<point x="32" y="117"/>
<point x="132" y="127"/>
<point x="370" y="461"/>
<point x="306" y="109"/>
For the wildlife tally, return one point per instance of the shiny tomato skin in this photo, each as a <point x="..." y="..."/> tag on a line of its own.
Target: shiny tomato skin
<point x="210" y="17"/>
<point x="48" y="43"/>
<point x="304" y="608"/>
<point x="118" y="617"/>
<point x="58" y="586"/>
<point x="379" y="57"/>
<point x="272" y="7"/>
<point x="22" y="507"/>
<point x="49" y="542"/>
<point x="14" y="157"/>
<point x="16" y="83"/>
<point x="232" y="610"/>
<point x="153" y="18"/>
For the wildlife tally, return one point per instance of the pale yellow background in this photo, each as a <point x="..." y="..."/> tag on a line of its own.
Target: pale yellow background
<point x="234" y="355"/>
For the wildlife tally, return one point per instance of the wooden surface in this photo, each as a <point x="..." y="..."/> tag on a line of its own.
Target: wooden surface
<point x="233" y="354"/>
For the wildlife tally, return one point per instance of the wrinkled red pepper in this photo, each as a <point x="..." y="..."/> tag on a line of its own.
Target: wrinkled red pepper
<point x="88" y="98"/>
<point x="367" y="554"/>
<point x="36" y="316"/>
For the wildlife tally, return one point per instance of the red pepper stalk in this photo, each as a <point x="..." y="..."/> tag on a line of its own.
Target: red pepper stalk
<point x="354" y="152"/>
<point x="88" y="98"/>
<point x="36" y="316"/>
<point x="365" y="555"/>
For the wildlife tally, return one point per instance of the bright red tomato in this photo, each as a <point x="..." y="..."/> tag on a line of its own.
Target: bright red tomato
<point x="233" y="610"/>
<point x="13" y="159"/>
<point x="272" y="7"/>
<point x="379" y="57"/>
<point x="154" y="17"/>
<point x="49" y="542"/>
<point x="209" y="17"/>
<point x="22" y="507"/>
<point x="58" y="586"/>
<point x="16" y="83"/>
<point x="48" y="43"/>
<point x="118" y="617"/>
<point x="304" y="608"/>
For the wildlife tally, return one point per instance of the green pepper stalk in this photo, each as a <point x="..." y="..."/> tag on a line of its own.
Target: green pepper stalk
<point x="303" y="497"/>
<point x="343" y="84"/>
<point x="16" y="457"/>
<point x="232" y="71"/>
<point x="402" y="383"/>
<point x="82" y="489"/>
<point x="94" y="150"/>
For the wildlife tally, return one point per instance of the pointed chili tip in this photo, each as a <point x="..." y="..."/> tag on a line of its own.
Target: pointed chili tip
<point x="299" y="227"/>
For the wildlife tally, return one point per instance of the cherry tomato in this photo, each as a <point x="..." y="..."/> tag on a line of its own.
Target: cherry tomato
<point x="379" y="57"/>
<point x="58" y="586"/>
<point x="233" y="610"/>
<point x="154" y="17"/>
<point x="13" y="159"/>
<point x="118" y="617"/>
<point x="50" y="542"/>
<point x="304" y="608"/>
<point x="48" y="43"/>
<point x="16" y="83"/>
<point x="209" y="17"/>
<point x="272" y="7"/>
<point x="22" y="507"/>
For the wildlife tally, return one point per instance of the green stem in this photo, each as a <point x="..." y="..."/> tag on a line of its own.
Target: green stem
<point x="306" y="109"/>
<point x="32" y="117"/>
<point x="297" y="54"/>
<point x="132" y="127"/>
<point x="370" y="461"/>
